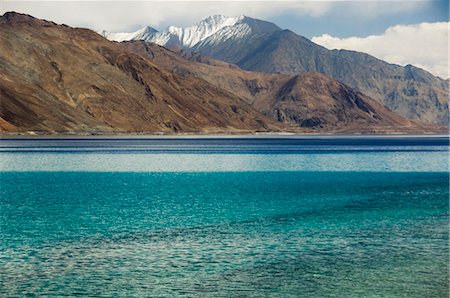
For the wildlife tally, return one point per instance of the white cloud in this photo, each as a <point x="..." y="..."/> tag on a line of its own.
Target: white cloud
<point x="424" y="45"/>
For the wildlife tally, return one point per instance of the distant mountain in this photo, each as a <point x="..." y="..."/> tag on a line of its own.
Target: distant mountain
<point x="219" y="26"/>
<point x="57" y="79"/>
<point x="410" y="91"/>
<point x="142" y="34"/>
<point x="311" y="101"/>
<point x="262" y="46"/>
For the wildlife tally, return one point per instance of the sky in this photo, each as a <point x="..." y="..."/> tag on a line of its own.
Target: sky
<point x="403" y="32"/>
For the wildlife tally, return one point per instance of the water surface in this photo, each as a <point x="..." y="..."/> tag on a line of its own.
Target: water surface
<point x="270" y="217"/>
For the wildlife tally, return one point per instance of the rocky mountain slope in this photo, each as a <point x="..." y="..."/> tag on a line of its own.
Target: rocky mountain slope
<point x="261" y="46"/>
<point x="410" y="91"/>
<point x="311" y="101"/>
<point x="57" y="79"/>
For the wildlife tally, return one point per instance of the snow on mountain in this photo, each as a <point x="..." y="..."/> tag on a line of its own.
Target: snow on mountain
<point x="211" y="31"/>
<point x="189" y="36"/>
<point x="141" y="34"/>
<point x="239" y="30"/>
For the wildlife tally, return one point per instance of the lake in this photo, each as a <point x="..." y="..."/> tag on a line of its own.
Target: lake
<point x="317" y="216"/>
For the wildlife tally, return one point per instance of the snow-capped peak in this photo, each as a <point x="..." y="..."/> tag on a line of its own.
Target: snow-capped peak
<point x="189" y="36"/>
<point x="141" y="34"/>
<point x="177" y="36"/>
<point x="209" y="31"/>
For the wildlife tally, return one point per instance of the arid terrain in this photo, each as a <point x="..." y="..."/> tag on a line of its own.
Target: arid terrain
<point x="55" y="79"/>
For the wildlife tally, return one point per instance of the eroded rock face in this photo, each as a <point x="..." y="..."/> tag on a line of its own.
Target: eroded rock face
<point x="410" y="91"/>
<point x="57" y="79"/>
<point x="310" y="101"/>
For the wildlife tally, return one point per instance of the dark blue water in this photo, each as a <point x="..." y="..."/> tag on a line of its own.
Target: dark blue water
<point x="230" y="144"/>
<point x="340" y="222"/>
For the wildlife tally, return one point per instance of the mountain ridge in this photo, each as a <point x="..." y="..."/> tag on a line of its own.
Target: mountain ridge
<point x="58" y="79"/>
<point x="188" y="37"/>
<point x="267" y="92"/>
<point x="408" y="90"/>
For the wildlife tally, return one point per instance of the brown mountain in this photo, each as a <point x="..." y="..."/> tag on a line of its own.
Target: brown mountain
<point x="61" y="79"/>
<point x="409" y="91"/>
<point x="57" y="79"/>
<point x="312" y="101"/>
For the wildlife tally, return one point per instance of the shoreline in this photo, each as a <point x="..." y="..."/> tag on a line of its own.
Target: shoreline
<point x="217" y="136"/>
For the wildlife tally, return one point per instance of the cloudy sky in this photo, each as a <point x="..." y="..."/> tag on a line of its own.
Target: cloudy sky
<point x="403" y="32"/>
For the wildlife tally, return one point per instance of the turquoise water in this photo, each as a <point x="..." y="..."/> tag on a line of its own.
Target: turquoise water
<point x="352" y="220"/>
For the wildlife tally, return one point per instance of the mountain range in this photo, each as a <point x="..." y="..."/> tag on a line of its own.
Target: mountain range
<point x="261" y="46"/>
<point x="58" y="79"/>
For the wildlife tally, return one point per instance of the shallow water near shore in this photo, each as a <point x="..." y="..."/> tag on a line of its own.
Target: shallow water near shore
<point x="256" y="219"/>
